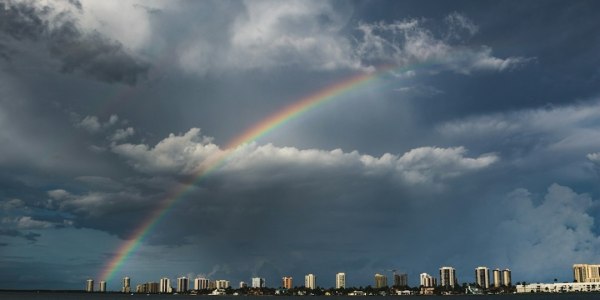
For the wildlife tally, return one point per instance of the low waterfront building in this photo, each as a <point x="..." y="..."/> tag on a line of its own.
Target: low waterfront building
<point x="558" y="287"/>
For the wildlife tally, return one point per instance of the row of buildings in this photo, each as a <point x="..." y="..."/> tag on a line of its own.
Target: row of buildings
<point x="502" y="278"/>
<point x="447" y="278"/>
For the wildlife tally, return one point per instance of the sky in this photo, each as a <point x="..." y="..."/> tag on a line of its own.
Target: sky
<point x="475" y="141"/>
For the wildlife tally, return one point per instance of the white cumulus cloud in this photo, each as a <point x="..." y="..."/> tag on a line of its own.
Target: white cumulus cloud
<point x="185" y="154"/>
<point x="561" y="221"/>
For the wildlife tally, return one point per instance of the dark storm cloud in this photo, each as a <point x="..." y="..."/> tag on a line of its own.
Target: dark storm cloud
<point x="480" y="155"/>
<point x="30" y="236"/>
<point x="88" y="52"/>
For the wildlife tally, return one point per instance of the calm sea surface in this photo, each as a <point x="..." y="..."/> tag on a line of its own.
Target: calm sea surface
<point x="82" y="296"/>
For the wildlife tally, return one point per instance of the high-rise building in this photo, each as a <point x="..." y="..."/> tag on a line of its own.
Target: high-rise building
<point x="212" y="284"/>
<point x="222" y="284"/>
<point x="310" y="281"/>
<point x="497" y="278"/>
<point x="448" y="277"/>
<point x="126" y="285"/>
<point x="103" y="286"/>
<point x="182" y="284"/>
<point x="201" y="283"/>
<point x="426" y="280"/>
<point x="147" y="288"/>
<point x="482" y="277"/>
<point x="506" y="277"/>
<point x="586" y="273"/>
<point x="153" y="287"/>
<point x="340" y="280"/>
<point x="400" y="280"/>
<point x="258" y="282"/>
<point x="165" y="286"/>
<point x="89" y="285"/>
<point x="380" y="281"/>
<point x="243" y="285"/>
<point x="287" y="282"/>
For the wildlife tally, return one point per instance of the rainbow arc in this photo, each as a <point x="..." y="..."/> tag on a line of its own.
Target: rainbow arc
<point x="214" y="162"/>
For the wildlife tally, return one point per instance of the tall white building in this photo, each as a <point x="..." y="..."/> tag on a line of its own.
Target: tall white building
<point x="497" y="275"/>
<point x="89" y="285"/>
<point x="448" y="277"/>
<point x="165" y="286"/>
<point x="426" y="280"/>
<point x="201" y="283"/>
<point x="506" y="277"/>
<point x="243" y="285"/>
<point x="103" y="286"/>
<point x="310" y="281"/>
<point x="482" y="277"/>
<point x="340" y="280"/>
<point x="258" y="282"/>
<point x="182" y="284"/>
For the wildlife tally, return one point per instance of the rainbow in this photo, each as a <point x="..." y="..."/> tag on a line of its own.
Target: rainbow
<point x="262" y="128"/>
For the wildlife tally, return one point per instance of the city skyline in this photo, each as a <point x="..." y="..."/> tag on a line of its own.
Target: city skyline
<point x="446" y="274"/>
<point x="222" y="139"/>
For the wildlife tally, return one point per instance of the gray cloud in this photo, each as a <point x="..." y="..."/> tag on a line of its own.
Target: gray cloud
<point x="410" y="42"/>
<point x="30" y="236"/>
<point x="55" y="27"/>
<point x="460" y="166"/>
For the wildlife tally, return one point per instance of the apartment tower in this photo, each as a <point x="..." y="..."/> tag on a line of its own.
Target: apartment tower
<point x="497" y="275"/>
<point x="126" y="285"/>
<point x="258" y="282"/>
<point x="482" y="277"/>
<point x="287" y="282"/>
<point x="310" y="281"/>
<point x="426" y="280"/>
<point x="89" y="285"/>
<point x="448" y="277"/>
<point x="165" y="286"/>
<point x="380" y="281"/>
<point x="340" y="280"/>
<point x="506" y="277"/>
<point x="182" y="284"/>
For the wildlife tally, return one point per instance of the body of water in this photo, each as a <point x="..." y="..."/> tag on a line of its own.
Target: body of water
<point x="98" y="296"/>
